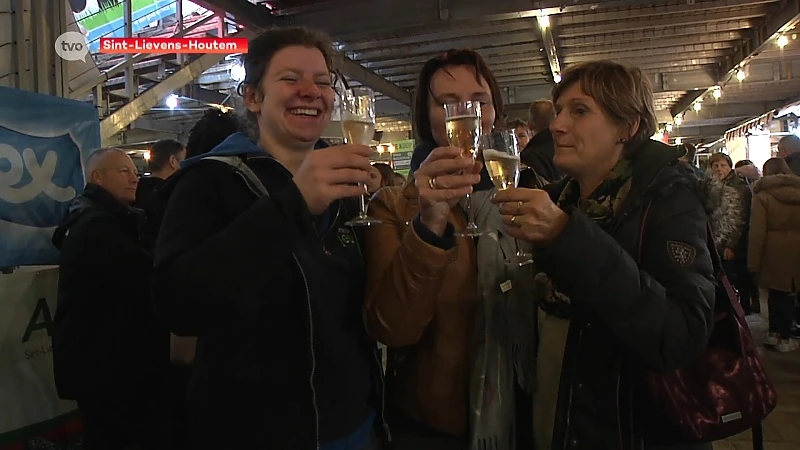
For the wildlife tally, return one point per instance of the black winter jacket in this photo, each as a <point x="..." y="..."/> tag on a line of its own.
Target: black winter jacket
<point x="249" y="276"/>
<point x="106" y="338"/>
<point x="629" y="317"/>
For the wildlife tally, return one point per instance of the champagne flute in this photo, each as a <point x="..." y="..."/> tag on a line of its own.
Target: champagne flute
<point x="463" y="123"/>
<point x="500" y="151"/>
<point x="358" y="126"/>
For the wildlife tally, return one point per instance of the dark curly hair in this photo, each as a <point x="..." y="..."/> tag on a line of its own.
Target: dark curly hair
<point x="210" y="130"/>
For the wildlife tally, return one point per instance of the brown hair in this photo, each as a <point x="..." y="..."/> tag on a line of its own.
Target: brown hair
<point x="450" y="58"/>
<point x="720" y="157"/>
<point x="624" y="93"/>
<point x="777" y="166"/>
<point x="387" y="174"/>
<point x="541" y="114"/>
<point x="516" y="123"/>
<point x="263" y="48"/>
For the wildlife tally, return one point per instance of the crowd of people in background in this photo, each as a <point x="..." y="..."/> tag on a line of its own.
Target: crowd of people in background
<point x="257" y="321"/>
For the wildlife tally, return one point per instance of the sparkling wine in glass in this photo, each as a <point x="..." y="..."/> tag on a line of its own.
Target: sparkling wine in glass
<point x="500" y="151"/>
<point x="358" y="126"/>
<point x="463" y="124"/>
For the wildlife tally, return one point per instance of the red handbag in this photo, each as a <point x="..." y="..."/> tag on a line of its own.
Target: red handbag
<point x="725" y="391"/>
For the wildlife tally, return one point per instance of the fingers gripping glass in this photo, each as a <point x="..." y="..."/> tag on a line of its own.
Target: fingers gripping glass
<point x="500" y="151"/>
<point x="463" y="123"/>
<point x="357" y="112"/>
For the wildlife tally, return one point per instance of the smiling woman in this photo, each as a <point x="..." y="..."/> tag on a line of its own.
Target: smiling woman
<point x="254" y="256"/>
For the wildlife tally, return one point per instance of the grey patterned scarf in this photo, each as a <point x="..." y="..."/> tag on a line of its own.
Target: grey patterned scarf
<point x="504" y="341"/>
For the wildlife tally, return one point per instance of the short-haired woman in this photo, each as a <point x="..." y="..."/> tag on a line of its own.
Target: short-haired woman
<point x="613" y="306"/>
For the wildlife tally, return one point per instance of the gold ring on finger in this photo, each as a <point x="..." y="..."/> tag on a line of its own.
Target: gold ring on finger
<point x="432" y="183"/>
<point x="513" y="219"/>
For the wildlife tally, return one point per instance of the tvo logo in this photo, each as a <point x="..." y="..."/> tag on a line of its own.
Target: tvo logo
<point x="72" y="46"/>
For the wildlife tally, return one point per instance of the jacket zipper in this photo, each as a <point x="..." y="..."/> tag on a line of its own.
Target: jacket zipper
<point x="384" y="422"/>
<point x="313" y="355"/>
<point x="569" y="397"/>
<point x="310" y="324"/>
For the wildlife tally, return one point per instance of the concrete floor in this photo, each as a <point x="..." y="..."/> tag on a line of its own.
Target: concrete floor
<point x="782" y="427"/>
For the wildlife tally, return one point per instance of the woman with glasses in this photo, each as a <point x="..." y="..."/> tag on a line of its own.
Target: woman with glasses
<point x="425" y="292"/>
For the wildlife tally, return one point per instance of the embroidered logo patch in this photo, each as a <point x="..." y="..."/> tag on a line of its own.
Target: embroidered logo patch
<point x="682" y="254"/>
<point x="346" y="237"/>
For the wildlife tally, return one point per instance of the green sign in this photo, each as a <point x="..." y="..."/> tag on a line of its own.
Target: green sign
<point x="404" y="146"/>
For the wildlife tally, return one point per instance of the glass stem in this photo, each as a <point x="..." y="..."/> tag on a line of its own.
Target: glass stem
<point x="470" y="216"/>
<point x="364" y="202"/>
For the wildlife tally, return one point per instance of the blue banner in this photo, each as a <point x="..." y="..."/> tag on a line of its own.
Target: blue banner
<point x="44" y="144"/>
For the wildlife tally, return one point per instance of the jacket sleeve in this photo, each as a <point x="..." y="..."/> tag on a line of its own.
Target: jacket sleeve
<point x="403" y="275"/>
<point x="758" y="234"/>
<point x="205" y="266"/>
<point x="661" y="311"/>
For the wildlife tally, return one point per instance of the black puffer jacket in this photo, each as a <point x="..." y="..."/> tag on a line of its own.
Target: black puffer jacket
<point x="629" y="317"/>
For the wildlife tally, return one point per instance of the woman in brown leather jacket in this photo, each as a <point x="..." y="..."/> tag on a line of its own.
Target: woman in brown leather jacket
<point x="423" y="283"/>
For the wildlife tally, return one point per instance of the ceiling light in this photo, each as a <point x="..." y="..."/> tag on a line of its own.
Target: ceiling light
<point x="557" y="78"/>
<point x="717" y="93"/>
<point x="669" y="128"/>
<point x="679" y="119"/>
<point x="698" y="106"/>
<point x="678" y="141"/>
<point x="740" y="75"/>
<point x="237" y="73"/>
<point x="172" y="101"/>
<point x="544" y="21"/>
<point x="782" y="41"/>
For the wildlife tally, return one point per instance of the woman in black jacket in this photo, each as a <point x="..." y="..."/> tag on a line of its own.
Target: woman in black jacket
<point x="273" y="285"/>
<point x="612" y="306"/>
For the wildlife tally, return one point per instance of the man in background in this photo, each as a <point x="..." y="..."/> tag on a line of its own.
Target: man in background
<point x="539" y="153"/>
<point x="165" y="159"/>
<point x="520" y="129"/>
<point x="689" y="159"/>
<point x="109" y="352"/>
<point x="789" y="150"/>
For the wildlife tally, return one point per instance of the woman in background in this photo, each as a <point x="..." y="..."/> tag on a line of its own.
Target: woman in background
<point x="774" y="253"/>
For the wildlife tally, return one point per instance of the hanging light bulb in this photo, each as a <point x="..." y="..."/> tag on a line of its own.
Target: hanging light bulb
<point x="782" y="41"/>
<point x="557" y="78"/>
<point x="717" y="93"/>
<point x="740" y="75"/>
<point x="669" y="128"/>
<point x="679" y="119"/>
<point x="698" y="106"/>
<point x="678" y="141"/>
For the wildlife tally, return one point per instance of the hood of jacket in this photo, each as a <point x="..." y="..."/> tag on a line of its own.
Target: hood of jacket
<point x="785" y="188"/>
<point x="93" y="199"/>
<point x="237" y="144"/>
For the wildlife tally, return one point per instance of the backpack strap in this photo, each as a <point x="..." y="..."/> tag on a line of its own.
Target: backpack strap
<point x="241" y="169"/>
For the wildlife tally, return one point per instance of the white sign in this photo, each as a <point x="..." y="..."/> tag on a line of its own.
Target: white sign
<point x="27" y="389"/>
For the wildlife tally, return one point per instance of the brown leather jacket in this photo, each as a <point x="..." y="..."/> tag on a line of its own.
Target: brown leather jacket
<point x="419" y="304"/>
